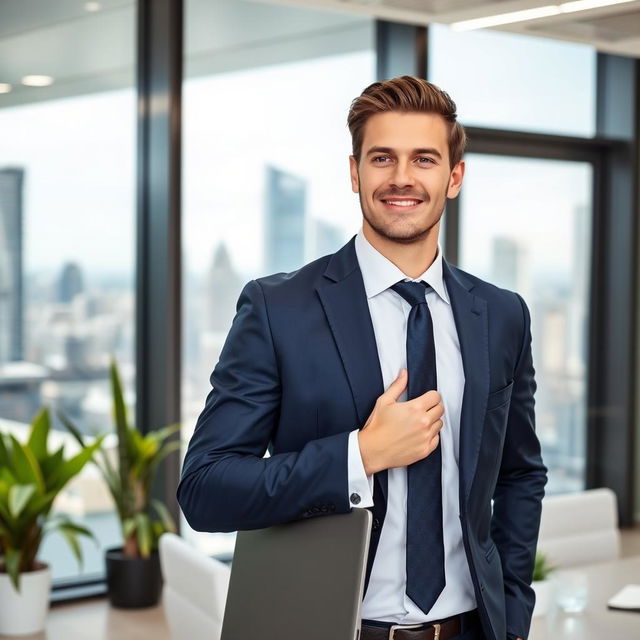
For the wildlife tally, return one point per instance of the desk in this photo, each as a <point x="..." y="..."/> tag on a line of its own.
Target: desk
<point x="596" y="622"/>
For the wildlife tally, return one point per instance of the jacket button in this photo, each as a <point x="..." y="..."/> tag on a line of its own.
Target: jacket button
<point x="332" y="507"/>
<point x="355" y="498"/>
<point x="376" y="524"/>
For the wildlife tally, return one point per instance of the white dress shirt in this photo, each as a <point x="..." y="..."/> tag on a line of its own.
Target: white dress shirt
<point x="386" y="597"/>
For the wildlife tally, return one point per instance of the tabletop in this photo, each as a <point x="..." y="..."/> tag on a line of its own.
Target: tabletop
<point x="596" y="621"/>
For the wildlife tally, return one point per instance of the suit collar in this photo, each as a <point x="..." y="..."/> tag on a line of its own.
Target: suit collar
<point x="379" y="273"/>
<point x="344" y="261"/>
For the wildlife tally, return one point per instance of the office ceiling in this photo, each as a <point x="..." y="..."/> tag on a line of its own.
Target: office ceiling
<point x="612" y="29"/>
<point x="94" y="50"/>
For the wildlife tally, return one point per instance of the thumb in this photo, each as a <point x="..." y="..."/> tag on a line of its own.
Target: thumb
<point x="396" y="387"/>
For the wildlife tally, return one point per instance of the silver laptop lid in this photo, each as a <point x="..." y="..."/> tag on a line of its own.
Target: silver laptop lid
<point x="300" y="580"/>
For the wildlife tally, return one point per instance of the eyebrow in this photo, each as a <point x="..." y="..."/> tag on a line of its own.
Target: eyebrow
<point x="389" y="150"/>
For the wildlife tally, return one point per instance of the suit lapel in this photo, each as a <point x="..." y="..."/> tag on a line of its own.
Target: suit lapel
<point x="471" y="320"/>
<point x="341" y="291"/>
<point x="342" y="294"/>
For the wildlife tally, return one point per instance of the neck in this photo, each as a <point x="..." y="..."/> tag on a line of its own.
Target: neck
<point x="414" y="258"/>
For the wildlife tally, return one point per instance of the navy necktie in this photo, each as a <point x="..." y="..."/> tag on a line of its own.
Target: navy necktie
<point x="425" y="547"/>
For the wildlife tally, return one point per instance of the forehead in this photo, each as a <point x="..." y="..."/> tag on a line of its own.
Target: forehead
<point x="405" y="131"/>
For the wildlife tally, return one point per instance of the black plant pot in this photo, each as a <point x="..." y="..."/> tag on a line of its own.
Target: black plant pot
<point x="133" y="582"/>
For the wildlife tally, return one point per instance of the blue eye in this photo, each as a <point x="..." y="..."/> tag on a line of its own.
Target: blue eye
<point x="380" y="158"/>
<point x="429" y="160"/>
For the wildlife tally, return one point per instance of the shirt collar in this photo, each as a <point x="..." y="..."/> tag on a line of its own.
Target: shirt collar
<point x="379" y="273"/>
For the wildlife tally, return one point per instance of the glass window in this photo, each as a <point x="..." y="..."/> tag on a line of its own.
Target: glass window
<point x="540" y="246"/>
<point x="67" y="221"/>
<point x="266" y="171"/>
<point x="502" y="80"/>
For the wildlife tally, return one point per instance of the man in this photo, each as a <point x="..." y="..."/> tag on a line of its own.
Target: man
<point x="304" y="371"/>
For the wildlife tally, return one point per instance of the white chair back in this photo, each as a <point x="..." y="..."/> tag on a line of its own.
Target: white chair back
<point x="580" y="528"/>
<point x="195" y="590"/>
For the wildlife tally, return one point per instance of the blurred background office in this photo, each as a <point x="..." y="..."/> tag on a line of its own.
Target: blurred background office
<point x="156" y="155"/>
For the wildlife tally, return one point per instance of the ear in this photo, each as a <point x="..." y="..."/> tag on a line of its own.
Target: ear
<point x="455" y="180"/>
<point x="353" y="169"/>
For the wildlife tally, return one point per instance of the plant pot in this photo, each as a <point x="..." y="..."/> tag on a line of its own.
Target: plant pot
<point x="24" y="612"/>
<point x="133" y="582"/>
<point x="543" y="597"/>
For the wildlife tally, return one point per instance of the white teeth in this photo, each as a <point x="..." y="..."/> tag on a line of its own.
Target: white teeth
<point x="403" y="203"/>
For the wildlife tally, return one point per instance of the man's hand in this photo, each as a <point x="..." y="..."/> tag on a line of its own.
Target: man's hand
<point x="398" y="434"/>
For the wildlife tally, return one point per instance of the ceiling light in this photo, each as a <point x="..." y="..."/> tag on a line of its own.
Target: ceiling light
<point x="92" y="6"/>
<point x="583" y="5"/>
<point x="506" y="18"/>
<point x="4" y="87"/>
<point x="37" y="81"/>
<point x="532" y="14"/>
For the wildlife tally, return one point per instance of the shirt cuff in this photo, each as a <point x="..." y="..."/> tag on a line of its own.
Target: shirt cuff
<point x="360" y="484"/>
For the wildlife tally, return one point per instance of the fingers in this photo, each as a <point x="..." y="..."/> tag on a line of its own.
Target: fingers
<point x="427" y="400"/>
<point x="396" y="387"/>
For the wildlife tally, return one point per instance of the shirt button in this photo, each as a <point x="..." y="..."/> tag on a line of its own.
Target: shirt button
<point x="376" y="524"/>
<point x="355" y="498"/>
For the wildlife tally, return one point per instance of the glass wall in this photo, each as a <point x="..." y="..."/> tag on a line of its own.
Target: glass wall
<point x="503" y="80"/>
<point x="266" y="172"/>
<point x="67" y="223"/>
<point x="526" y="226"/>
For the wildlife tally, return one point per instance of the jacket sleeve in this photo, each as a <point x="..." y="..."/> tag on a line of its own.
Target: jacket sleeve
<point x="519" y="492"/>
<point x="226" y="484"/>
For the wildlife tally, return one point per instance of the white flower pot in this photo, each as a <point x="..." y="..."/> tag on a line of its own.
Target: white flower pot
<point x="543" y="597"/>
<point x="25" y="612"/>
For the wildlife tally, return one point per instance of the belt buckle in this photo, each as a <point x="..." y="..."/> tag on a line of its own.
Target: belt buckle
<point x="397" y="627"/>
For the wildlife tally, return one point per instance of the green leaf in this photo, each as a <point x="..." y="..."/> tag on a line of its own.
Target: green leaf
<point x="52" y="462"/>
<point x="12" y="559"/>
<point x="39" y="433"/>
<point x="165" y="517"/>
<point x="128" y="527"/>
<point x="72" y="539"/>
<point x="25" y="466"/>
<point x="19" y="495"/>
<point x="75" y="432"/>
<point x="160" y="435"/>
<point x="4" y="453"/>
<point x="122" y="429"/>
<point x="73" y="466"/>
<point x="143" y="529"/>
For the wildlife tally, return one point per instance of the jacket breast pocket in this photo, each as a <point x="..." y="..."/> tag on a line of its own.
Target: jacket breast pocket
<point x="500" y="397"/>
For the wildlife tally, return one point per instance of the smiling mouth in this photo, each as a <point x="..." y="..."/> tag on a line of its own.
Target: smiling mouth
<point x="402" y="204"/>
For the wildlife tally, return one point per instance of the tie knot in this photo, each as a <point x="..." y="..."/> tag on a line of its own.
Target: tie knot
<point x="412" y="292"/>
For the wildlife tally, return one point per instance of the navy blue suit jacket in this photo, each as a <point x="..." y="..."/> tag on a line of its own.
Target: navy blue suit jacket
<point x="299" y="370"/>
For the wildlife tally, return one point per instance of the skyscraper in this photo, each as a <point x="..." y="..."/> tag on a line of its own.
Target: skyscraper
<point x="285" y="220"/>
<point x="11" y="273"/>
<point x="71" y="282"/>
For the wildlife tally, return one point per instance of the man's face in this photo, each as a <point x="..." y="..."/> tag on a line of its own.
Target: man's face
<point x="403" y="178"/>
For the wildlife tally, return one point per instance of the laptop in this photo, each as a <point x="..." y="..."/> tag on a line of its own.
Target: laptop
<point x="303" y="580"/>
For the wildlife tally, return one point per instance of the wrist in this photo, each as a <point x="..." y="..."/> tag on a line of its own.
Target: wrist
<point x="368" y="462"/>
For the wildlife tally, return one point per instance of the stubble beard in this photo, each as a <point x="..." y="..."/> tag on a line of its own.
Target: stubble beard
<point x="409" y="235"/>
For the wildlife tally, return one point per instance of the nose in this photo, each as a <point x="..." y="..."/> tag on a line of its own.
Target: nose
<point x="402" y="176"/>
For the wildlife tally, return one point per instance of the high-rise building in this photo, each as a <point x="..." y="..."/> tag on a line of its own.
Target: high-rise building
<point x="71" y="282"/>
<point x="285" y="220"/>
<point x="11" y="272"/>
<point x="222" y="290"/>
<point x="509" y="268"/>
<point x="325" y="238"/>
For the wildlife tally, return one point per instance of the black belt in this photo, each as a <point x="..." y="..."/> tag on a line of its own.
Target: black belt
<point x="437" y="630"/>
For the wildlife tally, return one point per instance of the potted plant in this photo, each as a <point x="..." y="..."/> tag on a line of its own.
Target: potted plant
<point x="31" y="477"/>
<point x="133" y="570"/>
<point x="541" y="585"/>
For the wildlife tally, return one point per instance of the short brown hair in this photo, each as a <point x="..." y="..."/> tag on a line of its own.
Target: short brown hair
<point x="406" y="94"/>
